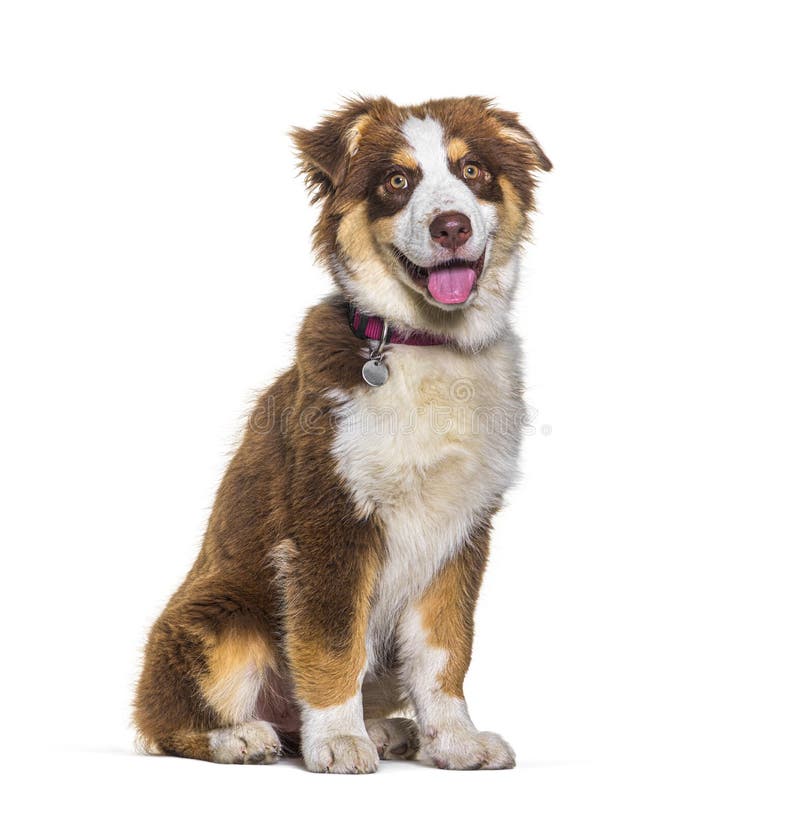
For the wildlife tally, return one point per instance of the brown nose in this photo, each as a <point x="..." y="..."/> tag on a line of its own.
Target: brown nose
<point x="451" y="229"/>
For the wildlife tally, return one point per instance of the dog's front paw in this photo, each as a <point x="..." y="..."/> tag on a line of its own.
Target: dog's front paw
<point x="341" y="754"/>
<point x="463" y="750"/>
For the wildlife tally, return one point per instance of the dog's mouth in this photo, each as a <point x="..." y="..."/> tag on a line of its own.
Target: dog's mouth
<point x="449" y="283"/>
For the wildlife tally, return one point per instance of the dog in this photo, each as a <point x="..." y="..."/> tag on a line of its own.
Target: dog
<point x="330" y="609"/>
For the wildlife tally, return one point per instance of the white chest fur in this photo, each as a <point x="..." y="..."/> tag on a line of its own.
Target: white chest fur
<point x="429" y="452"/>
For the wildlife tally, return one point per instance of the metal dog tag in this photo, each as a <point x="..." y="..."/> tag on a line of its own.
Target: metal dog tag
<point x="375" y="372"/>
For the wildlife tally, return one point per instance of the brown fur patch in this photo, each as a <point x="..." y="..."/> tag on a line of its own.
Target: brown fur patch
<point x="457" y="149"/>
<point x="190" y="744"/>
<point x="513" y="223"/>
<point x="353" y="135"/>
<point x="325" y="678"/>
<point x="354" y="237"/>
<point x="405" y="159"/>
<point x="448" y="605"/>
<point x="326" y="632"/>
<point x="359" y="240"/>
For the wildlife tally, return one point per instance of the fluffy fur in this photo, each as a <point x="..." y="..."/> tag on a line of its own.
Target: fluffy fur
<point x="330" y="607"/>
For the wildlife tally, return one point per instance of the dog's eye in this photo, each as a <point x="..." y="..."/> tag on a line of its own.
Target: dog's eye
<point x="471" y="172"/>
<point x="398" y="181"/>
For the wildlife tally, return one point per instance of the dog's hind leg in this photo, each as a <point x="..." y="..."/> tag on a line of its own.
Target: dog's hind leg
<point x="253" y="743"/>
<point x="199" y="692"/>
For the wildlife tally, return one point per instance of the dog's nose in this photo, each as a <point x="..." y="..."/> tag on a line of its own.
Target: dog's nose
<point x="451" y="229"/>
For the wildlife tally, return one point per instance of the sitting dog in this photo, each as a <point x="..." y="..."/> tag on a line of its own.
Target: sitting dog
<point x="331" y="605"/>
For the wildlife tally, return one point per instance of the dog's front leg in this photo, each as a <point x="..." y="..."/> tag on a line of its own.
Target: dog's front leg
<point x="435" y="637"/>
<point x="327" y="587"/>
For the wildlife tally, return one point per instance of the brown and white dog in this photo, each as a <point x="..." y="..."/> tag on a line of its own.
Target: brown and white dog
<point x="339" y="573"/>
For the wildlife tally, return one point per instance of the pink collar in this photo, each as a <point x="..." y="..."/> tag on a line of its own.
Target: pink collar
<point x="371" y="327"/>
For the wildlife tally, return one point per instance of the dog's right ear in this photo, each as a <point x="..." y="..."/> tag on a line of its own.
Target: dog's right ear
<point x="326" y="150"/>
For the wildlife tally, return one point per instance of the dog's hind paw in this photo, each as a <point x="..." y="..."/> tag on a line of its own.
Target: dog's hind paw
<point x="394" y="737"/>
<point x="254" y="743"/>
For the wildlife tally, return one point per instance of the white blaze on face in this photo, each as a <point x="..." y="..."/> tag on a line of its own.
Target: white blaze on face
<point x="438" y="191"/>
<point x="382" y="286"/>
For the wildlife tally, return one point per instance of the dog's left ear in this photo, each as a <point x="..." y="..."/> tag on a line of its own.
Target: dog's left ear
<point x="511" y="129"/>
<point x="326" y="150"/>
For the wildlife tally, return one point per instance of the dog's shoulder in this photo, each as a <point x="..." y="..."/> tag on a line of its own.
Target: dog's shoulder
<point x="329" y="356"/>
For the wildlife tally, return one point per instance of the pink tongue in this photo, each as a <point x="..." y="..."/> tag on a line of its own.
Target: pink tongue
<point x="451" y="286"/>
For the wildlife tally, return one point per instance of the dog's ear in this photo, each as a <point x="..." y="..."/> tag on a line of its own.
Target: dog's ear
<point x="325" y="151"/>
<point x="511" y="129"/>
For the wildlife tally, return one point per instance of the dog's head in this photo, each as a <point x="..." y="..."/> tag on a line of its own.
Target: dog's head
<point x="424" y="209"/>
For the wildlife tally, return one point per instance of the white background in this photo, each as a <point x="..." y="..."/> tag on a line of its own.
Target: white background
<point x="638" y="633"/>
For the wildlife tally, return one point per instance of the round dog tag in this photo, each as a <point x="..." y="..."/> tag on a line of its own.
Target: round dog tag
<point x="375" y="372"/>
